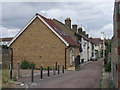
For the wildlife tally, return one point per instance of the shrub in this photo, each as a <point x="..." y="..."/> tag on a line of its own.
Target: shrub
<point x="108" y="67"/>
<point x="25" y="64"/>
<point x="32" y="65"/>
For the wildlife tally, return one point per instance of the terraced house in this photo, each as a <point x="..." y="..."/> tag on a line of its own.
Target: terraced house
<point x="44" y="43"/>
<point x="76" y="33"/>
<point x="115" y="52"/>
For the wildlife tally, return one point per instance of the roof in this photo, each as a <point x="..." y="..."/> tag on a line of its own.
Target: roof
<point x="53" y="27"/>
<point x="6" y="39"/>
<point x="96" y="41"/>
<point x="61" y="32"/>
<point x="69" y="31"/>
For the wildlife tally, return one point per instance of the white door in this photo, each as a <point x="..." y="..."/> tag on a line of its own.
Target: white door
<point x="72" y="56"/>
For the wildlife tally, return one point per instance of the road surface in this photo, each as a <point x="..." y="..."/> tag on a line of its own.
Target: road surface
<point x="88" y="77"/>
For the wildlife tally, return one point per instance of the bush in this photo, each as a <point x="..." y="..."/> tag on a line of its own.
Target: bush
<point x="27" y="65"/>
<point x="108" y="67"/>
<point x="32" y="65"/>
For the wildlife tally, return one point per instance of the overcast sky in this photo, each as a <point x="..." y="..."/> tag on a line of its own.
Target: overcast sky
<point x="95" y="17"/>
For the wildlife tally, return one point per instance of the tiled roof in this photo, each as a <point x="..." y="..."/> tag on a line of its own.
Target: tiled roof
<point x="60" y="32"/>
<point x="70" y="30"/>
<point x="6" y="39"/>
<point x="96" y="41"/>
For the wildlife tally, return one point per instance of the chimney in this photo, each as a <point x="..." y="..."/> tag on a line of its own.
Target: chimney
<point x="87" y="35"/>
<point x="84" y="33"/>
<point x="74" y="27"/>
<point x="68" y="22"/>
<point x="80" y="30"/>
<point x="90" y="37"/>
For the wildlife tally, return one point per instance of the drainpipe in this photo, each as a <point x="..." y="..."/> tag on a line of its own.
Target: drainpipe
<point x="66" y="56"/>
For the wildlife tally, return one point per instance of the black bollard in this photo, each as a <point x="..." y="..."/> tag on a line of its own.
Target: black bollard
<point x="54" y="70"/>
<point x="18" y="70"/>
<point x="48" y="71"/>
<point x="56" y="66"/>
<point x="41" y="72"/>
<point x="58" y="69"/>
<point x="63" y="69"/>
<point x="10" y="70"/>
<point x="32" y="74"/>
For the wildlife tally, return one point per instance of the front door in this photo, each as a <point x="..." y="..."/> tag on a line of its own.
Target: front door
<point x="72" y="57"/>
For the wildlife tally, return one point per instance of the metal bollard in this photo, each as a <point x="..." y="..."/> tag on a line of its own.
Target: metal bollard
<point x="56" y="66"/>
<point x="63" y="69"/>
<point x="10" y="70"/>
<point x="18" y="70"/>
<point x="41" y="72"/>
<point x="48" y="71"/>
<point x="54" y="69"/>
<point x="32" y="74"/>
<point x="58" y="69"/>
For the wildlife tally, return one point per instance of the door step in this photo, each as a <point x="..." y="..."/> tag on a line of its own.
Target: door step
<point x="71" y="69"/>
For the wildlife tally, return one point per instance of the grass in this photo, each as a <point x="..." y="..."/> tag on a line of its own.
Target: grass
<point x="6" y="83"/>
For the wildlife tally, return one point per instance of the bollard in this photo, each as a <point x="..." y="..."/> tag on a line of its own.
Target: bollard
<point x="10" y="70"/>
<point x="18" y="70"/>
<point x="56" y="66"/>
<point x="48" y="71"/>
<point x="63" y="69"/>
<point x="41" y="72"/>
<point x="54" y="69"/>
<point x="32" y="74"/>
<point x="58" y="69"/>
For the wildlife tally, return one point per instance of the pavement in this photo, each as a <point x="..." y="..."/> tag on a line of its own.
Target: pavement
<point x="88" y="76"/>
<point x="106" y="81"/>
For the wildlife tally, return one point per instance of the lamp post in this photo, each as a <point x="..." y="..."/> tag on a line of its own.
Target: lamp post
<point x="103" y="44"/>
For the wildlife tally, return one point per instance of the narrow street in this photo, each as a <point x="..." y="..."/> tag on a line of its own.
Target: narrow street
<point x="88" y="77"/>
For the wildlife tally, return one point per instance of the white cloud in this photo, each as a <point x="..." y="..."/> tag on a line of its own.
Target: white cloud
<point x="97" y="16"/>
<point x="107" y="29"/>
<point x="8" y="32"/>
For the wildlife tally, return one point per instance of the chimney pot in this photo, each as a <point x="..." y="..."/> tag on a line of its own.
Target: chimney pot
<point x="68" y="22"/>
<point x="87" y="35"/>
<point x="84" y="32"/>
<point x="74" y="27"/>
<point x="80" y="30"/>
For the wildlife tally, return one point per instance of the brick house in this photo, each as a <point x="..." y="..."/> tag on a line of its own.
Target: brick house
<point x="42" y="42"/>
<point x="78" y="35"/>
<point x="98" y="46"/>
<point x="115" y="47"/>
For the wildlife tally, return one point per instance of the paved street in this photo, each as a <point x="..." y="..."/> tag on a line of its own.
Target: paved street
<point x="88" y="77"/>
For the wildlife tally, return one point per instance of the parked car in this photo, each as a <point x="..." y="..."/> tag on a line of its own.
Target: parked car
<point x="94" y="58"/>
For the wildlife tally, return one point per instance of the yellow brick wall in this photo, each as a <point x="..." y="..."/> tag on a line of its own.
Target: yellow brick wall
<point x="40" y="45"/>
